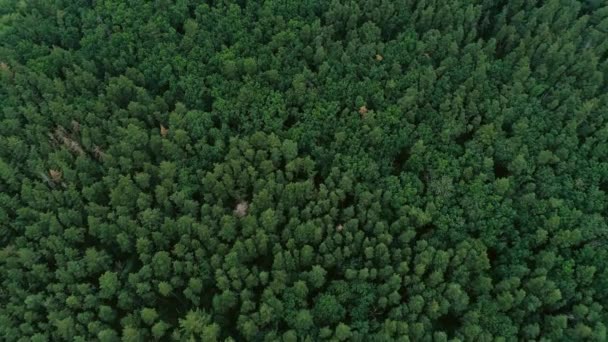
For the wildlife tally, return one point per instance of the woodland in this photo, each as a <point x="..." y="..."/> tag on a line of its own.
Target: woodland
<point x="303" y="170"/>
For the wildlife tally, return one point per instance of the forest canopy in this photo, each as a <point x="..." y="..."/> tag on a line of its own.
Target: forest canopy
<point x="301" y="170"/>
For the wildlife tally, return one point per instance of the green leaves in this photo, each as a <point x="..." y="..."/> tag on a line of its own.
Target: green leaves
<point x="328" y="310"/>
<point x="303" y="171"/>
<point x="196" y="325"/>
<point x="108" y="284"/>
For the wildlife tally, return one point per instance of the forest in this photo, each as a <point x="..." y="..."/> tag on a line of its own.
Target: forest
<point x="304" y="170"/>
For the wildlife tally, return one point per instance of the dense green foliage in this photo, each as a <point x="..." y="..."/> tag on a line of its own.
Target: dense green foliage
<point x="303" y="170"/>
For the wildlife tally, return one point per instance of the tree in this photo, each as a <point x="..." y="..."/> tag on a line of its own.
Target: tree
<point x="108" y="284"/>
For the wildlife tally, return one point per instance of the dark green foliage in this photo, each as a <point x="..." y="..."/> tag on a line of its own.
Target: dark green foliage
<point x="303" y="170"/>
